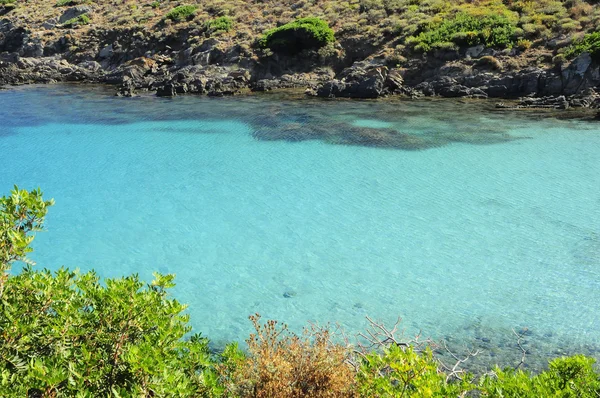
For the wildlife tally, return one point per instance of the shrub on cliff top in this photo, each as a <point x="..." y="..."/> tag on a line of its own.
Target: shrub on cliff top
<point x="181" y="13"/>
<point x="301" y="34"/>
<point x="222" y="24"/>
<point x="590" y="43"/>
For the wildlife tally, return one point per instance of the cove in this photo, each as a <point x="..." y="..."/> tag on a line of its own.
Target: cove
<point x="465" y="222"/>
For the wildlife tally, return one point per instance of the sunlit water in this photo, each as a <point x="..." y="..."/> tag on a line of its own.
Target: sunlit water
<point x="465" y="223"/>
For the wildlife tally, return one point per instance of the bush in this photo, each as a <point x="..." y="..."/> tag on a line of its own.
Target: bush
<point x="66" y="334"/>
<point x="303" y="33"/>
<point x="397" y="372"/>
<point x="523" y="44"/>
<point x="466" y="29"/>
<point x="590" y="43"/>
<point x="181" y="13"/>
<point x="80" y="20"/>
<point x="7" y="2"/>
<point x="282" y="364"/>
<point x="223" y="24"/>
<point x="63" y="3"/>
<point x="567" y="377"/>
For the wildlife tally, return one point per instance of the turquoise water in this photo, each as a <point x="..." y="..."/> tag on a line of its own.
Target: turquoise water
<point x="465" y="222"/>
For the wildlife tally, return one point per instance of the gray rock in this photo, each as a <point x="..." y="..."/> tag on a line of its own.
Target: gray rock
<point x="92" y="66"/>
<point x="356" y="82"/>
<point x="74" y="12"/>
<point x="394" y="80"/>
<point x="168" y="90"/>
<point x="106" y="52"/>
<point x="475" y="51"/>
<point x="50" y="24"/>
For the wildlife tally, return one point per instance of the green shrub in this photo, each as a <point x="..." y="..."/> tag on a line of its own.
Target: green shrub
<point x="67" y="334"/>
<point x="181" y="13"/>
<point x="303" y="33"/>
<point x="399" y="372"/>
<point x="63" y="3"/>
<point x="223" y="24"/>
<point x="80" y="20"/>
<point x="590" y="43"/>
<point x="567" y="377"/>
<point x="493" y="30"/>
<point x="523" y="44"/>
<point x="7" y="2"/>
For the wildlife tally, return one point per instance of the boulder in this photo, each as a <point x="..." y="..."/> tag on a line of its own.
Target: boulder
<point x="168" y="90"/>
<point x="357" y="82"/>
<point x="475" y="51"/>
<point x="74" y="12"/>
<point x="394" y="80"/>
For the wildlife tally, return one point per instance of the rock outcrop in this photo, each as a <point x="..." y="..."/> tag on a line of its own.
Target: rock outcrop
<point x="136" y="60"/>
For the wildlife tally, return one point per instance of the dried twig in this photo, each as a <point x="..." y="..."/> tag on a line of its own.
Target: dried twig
<point x="520" y="337"/>
<point x="455" y="371"/>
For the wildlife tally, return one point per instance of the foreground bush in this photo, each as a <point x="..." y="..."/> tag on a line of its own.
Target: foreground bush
<point x="66" y="334"/>
<point x="302" y="34"/>
<point x="402" y="372"/>
<point x="566" y="377"/>
<point x="282" y="364"/>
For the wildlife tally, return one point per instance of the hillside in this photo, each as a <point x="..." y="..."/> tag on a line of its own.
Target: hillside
<point x="412" y="47"/>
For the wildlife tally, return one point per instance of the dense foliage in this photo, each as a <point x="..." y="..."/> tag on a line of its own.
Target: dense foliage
<point x="69" y="334"/>
<point x="181" y="13"/>
<point x="493" y="30"/>
<point x="590" y="43"/>
<point x="66" y="334"/>
<point x="301" y="34"/>
<point x="223" y="24"/>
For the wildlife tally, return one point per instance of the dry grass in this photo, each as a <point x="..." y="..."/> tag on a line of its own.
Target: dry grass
<point x="282" y="364"/>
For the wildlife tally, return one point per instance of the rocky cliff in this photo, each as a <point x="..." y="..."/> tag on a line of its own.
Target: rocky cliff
<point x="87" y="43"/>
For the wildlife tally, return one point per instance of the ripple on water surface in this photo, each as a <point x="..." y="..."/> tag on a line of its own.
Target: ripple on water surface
<point x="467" y="224"/>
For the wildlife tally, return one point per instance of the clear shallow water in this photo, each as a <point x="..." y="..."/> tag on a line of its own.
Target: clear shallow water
<point x="464" y="223"/>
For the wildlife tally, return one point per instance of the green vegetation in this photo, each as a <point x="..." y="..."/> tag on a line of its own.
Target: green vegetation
<point x="567" y="377"/>
<point x="7" y="2"/>
<point x="494" y="30"/>
<point x="399" y="29"/>
<point x="67" y="334"/>
<point x="80" y="20"/>
<point x="64" y="3"/>
<point x="221" y="24"/>
<point x="181" y="13"/>
<point x="398" y="372"/>
<point x="590" y="43"/>
<point x="301" y="34"/>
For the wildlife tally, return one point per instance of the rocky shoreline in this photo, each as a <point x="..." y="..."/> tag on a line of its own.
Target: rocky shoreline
<point x="134" y="61"/>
